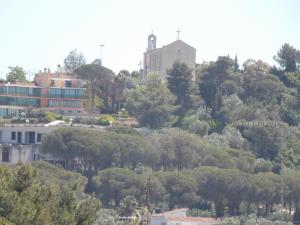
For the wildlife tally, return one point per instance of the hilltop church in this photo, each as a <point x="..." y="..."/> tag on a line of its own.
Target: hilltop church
<point x="159" y="60"/>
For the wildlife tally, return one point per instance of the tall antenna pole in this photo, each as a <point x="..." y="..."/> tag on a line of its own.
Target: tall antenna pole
<point x="101" y="46"/>
<point x="282" y="187"/>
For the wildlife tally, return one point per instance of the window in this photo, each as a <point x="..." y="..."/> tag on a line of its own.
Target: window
<point x="39" y="137"/>
<point x="68" y="83"/>
<point x="13" y="136"/>
<point x="30" y="137"/>
<point x="52" y="83"/>
<point x="19" y="137"/>
<point x="53" y="103"/>
<point x="5" y="155"/>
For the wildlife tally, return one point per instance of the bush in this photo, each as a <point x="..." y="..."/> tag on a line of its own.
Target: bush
<point x="35" y="113"/>
<point x="105" y="120"/>
<point x="194" y="125"/>
<point x="23" y="120"/>
<point x="51" y="116"/>
<point x="263" y="166"/>
<point x="123" y="130"/>
<point x="250" y="221"/>
<point x="230" y="221"/>
<point x="276" y="216"/>
<point x="88" y="120"/>
<point x="18" y="120"/>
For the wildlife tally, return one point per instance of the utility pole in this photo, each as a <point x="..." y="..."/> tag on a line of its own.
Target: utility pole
<point x="140" y="71"/>
<point x="101" y="59"/>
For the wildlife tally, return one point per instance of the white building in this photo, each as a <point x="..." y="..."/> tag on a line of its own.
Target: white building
<point x="21" y="142"/>
<point x="178" y="217"/>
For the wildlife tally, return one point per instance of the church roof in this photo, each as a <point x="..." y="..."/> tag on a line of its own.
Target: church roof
<point x="181" y="42"/>
<point x="172" y="43"/>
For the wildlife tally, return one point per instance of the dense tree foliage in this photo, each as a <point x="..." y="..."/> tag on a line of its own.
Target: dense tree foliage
<point x="229" y="184"/>
<point x="74" y="60"/>
<point x="98" y="78"/>
<point x="288" y="57"/>
<point x="226" y="142"/>
<point x="24" y="200"/>
<point x="180" y="83"/>
<point x="152" y="103"/>
<point x="16" y="74"/>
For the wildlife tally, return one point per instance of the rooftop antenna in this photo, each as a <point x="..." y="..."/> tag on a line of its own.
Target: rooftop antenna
<point x="29" y="73"/>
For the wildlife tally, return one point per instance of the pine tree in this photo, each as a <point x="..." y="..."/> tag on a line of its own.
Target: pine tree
<point x="180" y="84"/>
<point x="236" y="64"/>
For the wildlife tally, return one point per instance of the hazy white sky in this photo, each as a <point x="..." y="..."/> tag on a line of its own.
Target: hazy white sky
<point x="40" y="33"/>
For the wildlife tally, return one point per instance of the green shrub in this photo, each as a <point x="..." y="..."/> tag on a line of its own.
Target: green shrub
<point x="104" y="120"/>
<point x="83" y="120"/>
<point x="35" y="113"/>
<point x="18" y="120"/>
<point x="276" y="216"/>
<point x="194" y="125"/>
<point x="51" y="116"/>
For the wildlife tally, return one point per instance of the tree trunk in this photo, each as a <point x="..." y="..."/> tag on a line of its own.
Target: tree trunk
<point x="93" y="94"/>
<point x="220" y="208"/>
<point x="267" y="209"/>
<point x="122" y="160"/>
<point x="296" y="218"/>
<point x="248" y="208"/>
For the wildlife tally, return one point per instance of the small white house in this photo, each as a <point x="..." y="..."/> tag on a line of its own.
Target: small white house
<point x="21" y="142"/>
<point x="178" y="217"/>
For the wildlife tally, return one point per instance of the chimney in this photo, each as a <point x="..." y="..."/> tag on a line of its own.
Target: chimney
<point x="59" y="69"/>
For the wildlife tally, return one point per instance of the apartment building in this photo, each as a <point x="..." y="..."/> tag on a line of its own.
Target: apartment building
<point x="58" y="92"/>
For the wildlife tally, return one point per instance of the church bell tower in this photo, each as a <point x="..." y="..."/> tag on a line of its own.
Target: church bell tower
<point x="151" y="42"/>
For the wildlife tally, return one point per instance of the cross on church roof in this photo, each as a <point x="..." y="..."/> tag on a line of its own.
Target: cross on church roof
<point x="178" y="31"/>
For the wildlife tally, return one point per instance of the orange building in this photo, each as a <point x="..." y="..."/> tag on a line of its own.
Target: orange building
<point x="58" y="92"/>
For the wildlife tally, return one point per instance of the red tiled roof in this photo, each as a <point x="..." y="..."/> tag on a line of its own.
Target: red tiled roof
<point x="168" y="215"/>
<point x="172" y="211"/>
<point x="190" y="219"/>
